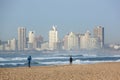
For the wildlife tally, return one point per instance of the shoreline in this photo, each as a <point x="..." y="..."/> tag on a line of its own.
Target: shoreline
<point x="102" y="71"/>
<point x="56" y="65"/>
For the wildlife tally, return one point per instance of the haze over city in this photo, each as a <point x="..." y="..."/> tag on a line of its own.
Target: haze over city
<point x="69" y="15"/>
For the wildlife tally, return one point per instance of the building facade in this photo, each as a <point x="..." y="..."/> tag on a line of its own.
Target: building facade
<point x="31" y="36"/>
<point x="31" y="40"/>
<point x="87" y="42"/>
<point x="99" y="34"/>
<point x="21" y="38"/>
<point x="53" y="38"/>
<point x="93" y="43"/>
<point x="13" y="44"/>
<point x="84" y="40"/>
<point x="39" y="40"/>
<point x="71" y="41"/>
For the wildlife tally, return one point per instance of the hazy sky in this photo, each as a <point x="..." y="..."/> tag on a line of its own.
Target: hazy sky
<point x="69" y="15"/>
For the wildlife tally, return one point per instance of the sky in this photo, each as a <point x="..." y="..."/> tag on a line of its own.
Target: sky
<point x="69" y="15"/>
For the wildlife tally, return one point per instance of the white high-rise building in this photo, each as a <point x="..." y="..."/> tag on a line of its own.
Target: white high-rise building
<point x="84" y="40"/>
<point x="53" y="38"/>
<point x="31" y="41"/>
<point x="31" y="36"/>
<point x="93" y="43"/>
<point x="71" y="41"/>
<point x="87" y="42"/>
<point x="21" y="38"/>
<point x="13" y="44"/>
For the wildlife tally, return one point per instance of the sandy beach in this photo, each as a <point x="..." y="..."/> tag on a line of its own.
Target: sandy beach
<point x="100" y="71"/>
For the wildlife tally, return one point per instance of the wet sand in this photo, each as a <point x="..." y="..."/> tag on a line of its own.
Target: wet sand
<point x="100" y="71"/>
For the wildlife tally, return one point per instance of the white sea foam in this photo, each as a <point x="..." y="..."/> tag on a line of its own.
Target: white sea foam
<point x="76" y="62"/>
<point x="118" y="60"/>
<point x="13" y="64"/>
<point x="116" y="55"/>
<point x="89" y="55"/>
<point x="92" y="62"/>
<point x="18" y="59"/>
<point x="43" y="58"/>
<point x="56" y="62"/>
<point x="3" y="59"/>
<point x="12" y="59"/>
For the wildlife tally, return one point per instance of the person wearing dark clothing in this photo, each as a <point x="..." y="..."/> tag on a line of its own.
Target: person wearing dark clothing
<point x="71" y="60"/>
<point x="29" y="61"/>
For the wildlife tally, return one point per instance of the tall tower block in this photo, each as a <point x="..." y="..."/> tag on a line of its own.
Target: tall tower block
<point x="99" y="34"/>
<point x="21" y="38"/>
<point x="53" y="38"/>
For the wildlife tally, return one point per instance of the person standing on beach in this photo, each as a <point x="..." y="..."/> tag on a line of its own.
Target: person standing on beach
<point x="29" y="61"/>
<point x="70" y="59"/>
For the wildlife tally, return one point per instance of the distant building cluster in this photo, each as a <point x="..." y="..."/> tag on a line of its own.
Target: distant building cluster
<point x="71" y="41"/>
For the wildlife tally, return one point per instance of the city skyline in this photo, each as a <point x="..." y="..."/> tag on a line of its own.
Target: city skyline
<point x="71" y="41"/>
<point x="69" y="16"/>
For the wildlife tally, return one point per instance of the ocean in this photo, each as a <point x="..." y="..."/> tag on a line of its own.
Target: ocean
<point x="19" y="59"/>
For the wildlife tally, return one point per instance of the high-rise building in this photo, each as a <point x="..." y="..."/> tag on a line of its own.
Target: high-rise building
<point x="21" y="38"/>
<point x="99" y="34"/>
<point x="65" y="42"/>
<point x="39" y="40"/>
<point x="93" y="43"/>
<point x="13" y="44"/>
<point x="53" y="38"/>
<point x="88" y="42"/>
<point x="31" y="40"/>
<point x="71" y="41"/>
<point x="84" y="40"/>
<point x="31" y="36"/>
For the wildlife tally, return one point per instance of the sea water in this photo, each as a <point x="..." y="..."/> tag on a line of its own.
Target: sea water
<point x="55" y="58"/>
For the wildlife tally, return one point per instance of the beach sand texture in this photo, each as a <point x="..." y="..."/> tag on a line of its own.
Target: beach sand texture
<point x="100" y="71"/>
